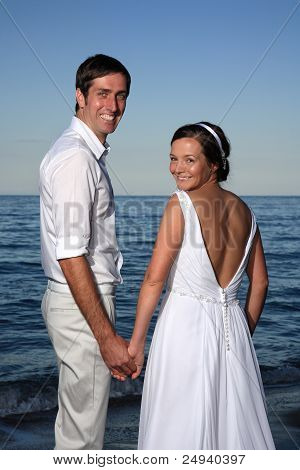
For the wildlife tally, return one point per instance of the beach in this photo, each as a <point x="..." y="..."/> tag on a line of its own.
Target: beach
<point x="36" y="430"/>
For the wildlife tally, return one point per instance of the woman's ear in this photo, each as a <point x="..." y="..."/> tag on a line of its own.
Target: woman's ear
<point x="214" y="167"/>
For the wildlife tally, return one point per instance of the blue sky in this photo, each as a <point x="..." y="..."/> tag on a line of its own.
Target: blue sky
<point x="189" y="61"/>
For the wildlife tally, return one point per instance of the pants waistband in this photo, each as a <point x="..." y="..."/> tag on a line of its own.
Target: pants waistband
<point x="106" y="289"/>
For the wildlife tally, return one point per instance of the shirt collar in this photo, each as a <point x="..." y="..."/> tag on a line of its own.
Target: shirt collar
<point x="98" y="149"/>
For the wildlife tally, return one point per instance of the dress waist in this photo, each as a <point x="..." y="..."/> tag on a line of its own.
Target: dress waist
<point x="204" y="298"/>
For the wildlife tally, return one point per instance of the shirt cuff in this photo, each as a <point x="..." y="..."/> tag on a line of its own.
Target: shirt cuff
<point x="71" y="247"/>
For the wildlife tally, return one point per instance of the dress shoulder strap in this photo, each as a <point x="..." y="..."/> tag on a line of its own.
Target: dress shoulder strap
<point x="254" y="225"/>
<point x="184" y="201"/>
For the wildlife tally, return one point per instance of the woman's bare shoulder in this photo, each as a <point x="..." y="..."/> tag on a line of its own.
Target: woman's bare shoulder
<point x="238" y="202"/>
<point x="238" y="208"/>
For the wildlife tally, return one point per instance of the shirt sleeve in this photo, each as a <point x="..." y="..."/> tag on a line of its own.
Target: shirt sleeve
<point x="74" y="184"/>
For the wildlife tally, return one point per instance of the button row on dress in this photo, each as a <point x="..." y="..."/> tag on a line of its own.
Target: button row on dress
<point x="225" y="318"/>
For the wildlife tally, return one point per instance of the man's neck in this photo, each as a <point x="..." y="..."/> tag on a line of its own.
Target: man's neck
<point x="100" y="136"/>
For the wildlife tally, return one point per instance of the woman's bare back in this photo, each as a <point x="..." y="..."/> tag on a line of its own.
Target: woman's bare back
<point x="225" y="222"/>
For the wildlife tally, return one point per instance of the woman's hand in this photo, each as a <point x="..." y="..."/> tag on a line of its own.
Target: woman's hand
<point x="117" y="372"/>
<point x="137" y="354"/>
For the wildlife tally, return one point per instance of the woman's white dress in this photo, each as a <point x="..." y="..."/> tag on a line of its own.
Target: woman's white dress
<point x="202" y="387"/>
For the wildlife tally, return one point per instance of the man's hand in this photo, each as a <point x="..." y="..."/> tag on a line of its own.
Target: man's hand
<point x="114" y="351"/>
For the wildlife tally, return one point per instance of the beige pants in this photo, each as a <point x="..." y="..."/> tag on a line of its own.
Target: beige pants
<point x="84" y="379"/>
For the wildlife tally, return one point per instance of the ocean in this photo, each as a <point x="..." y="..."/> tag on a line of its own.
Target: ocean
<point x="28" y="375"/>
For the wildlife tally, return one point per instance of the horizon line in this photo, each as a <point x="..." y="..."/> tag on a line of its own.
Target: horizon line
<point x="162" y="195"/>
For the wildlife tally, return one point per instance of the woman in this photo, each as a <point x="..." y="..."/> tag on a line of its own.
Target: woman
<point x="202" y="388"/>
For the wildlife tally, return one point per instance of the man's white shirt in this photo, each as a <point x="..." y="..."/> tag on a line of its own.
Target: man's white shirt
<point x="77" y="206"/>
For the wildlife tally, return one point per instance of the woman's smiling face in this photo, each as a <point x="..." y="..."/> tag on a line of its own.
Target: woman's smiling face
<point x="189" y="165"/>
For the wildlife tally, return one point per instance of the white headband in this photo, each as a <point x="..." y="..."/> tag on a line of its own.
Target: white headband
<point x="217" y="139"/>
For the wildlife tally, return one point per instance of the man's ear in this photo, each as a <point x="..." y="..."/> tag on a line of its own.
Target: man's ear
<point x="80" y="98"/>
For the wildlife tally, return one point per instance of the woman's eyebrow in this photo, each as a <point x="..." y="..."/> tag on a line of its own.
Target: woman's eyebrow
<point x="184" y="156"/>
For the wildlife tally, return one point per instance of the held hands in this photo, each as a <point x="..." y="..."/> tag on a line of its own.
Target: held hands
<point x="137" y="356"/>
<point x="114" y="351"/>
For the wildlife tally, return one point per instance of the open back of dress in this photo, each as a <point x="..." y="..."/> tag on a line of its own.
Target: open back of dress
<point x="224" y="236"/>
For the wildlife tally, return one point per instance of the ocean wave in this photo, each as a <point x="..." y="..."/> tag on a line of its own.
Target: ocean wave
<point x="30" y="396"/>
<point x="24" y="397"/>
<point x="283" y="375"/>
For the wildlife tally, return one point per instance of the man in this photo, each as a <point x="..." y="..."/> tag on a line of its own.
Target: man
<point x="81" y="258"/>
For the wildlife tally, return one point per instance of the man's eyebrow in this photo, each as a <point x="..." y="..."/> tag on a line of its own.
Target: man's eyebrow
<point x="108" y="90"/>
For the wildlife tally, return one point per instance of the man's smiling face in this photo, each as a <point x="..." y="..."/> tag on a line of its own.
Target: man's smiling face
<point x="105" y="104"/>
